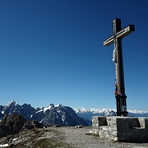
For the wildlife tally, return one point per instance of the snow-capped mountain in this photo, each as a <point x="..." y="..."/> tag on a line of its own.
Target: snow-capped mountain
<point x="53" y="114"/>
<point x="87" y="113"/>
<point x="26" y="110"/>
<point x="58" y="114"/>
<point x="63" y="115"/>
<point x="137" y="113"/>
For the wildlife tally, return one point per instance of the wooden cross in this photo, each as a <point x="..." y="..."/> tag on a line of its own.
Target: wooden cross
<point x="116" y="38"/>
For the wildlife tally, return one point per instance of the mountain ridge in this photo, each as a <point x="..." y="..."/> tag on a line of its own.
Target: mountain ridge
<point x="51" y="115"/>
<point x="60" y="114"/>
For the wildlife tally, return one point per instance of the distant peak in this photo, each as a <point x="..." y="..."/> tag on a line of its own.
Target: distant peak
<point x="51" y="105"/>
<point x="59" y="105"/>
<point x="11" y="102"/>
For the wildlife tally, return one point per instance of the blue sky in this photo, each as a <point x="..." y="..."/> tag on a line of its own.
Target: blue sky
<point x="51" y="51"/>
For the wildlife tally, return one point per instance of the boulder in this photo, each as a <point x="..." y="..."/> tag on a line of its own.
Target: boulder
<point x="32" y="124"/>
<point x="11" y="124"/>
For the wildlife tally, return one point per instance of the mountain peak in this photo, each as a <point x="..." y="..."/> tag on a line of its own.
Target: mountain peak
<point x="11" y="102"/>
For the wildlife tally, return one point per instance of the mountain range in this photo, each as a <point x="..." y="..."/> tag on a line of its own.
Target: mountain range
<point x="62" y="115"/>
<point x="51" y="115"/>
<point x="87" y="113"/>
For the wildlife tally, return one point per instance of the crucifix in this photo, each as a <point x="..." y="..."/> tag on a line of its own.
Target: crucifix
<point x="116" y="39"/>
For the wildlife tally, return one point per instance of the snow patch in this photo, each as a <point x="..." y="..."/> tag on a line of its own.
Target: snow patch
<point x="15" y="139"/>
<point x="47" y="108"/>
<point x="4" y="145"/>
<point x="57" y="105"/>
<point x="39" y="111"/>
<point x="58" y="111"/>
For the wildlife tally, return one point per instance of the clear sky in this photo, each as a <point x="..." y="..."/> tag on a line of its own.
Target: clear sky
<point x="51" y="51"/>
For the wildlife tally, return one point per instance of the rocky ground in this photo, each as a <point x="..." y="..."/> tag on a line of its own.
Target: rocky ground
<point x="79" y="138"/>
<point x="62" y="137"/>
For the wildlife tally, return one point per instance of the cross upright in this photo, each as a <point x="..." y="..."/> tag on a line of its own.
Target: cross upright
<point x="116" y="39"/>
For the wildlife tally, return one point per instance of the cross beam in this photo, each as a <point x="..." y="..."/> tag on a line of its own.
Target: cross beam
<point x="124" y="32"/>
<point x="116" y="38"/>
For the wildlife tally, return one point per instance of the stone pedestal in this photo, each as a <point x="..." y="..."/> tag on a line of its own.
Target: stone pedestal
<point x="116" y="128"/>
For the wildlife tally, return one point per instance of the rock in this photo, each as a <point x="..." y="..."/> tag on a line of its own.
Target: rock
<point x="57" y="125"/>
<point x="32" y="124"/>
<point x="1" y="115"/>
<point x="78" y="126"/>
<point x="11" y="124"/>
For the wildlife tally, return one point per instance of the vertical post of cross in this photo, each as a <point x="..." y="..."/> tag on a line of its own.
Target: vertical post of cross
<point x="121" y="96"/>
<point x="116" y="39"/>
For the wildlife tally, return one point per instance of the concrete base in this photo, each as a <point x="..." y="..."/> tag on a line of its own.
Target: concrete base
<point x="115" y="128"/>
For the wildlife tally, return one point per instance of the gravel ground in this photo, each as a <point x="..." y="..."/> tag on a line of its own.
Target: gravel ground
<point x="69" y="137"/>
<point x="78" y="138"/>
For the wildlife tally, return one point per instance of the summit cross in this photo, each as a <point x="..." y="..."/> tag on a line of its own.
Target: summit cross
<point x="116" y="39"/>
